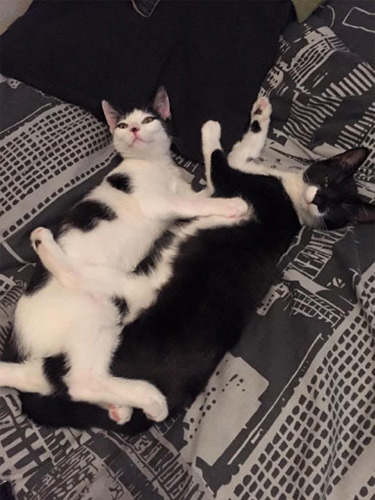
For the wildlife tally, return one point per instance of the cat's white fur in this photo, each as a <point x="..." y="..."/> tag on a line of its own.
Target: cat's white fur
<point x="60" y="318"/>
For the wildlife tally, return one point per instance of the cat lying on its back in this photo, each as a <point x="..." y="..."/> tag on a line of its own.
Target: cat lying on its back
<point x="107" y="233"/>
<point x="217" y="275"/>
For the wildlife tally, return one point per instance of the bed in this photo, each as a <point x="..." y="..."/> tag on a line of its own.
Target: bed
<point x="290" y="411"/>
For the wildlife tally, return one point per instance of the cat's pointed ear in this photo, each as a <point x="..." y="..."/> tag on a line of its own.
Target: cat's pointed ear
<point x="111" y="115"/>
<point x="365" y="213"/>
<point x="351" y="160"/>
<point x="161" y="104"/>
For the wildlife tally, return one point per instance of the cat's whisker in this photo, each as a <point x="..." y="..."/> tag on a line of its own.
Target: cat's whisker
<point x="322" y="223"/>
<point x="175" y="140"/>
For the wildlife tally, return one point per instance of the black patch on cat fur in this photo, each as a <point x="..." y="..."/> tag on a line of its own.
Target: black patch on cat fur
<point x="121" y="182"/>
<point x="166" y="124"/>
<point x="255" y="127"/>
<point x="87" y="214"/>
<point x="122" y="307"/>
<point x="38" y="280"/>
<point x="54" y="368"/>
<point x="149" y="262"/>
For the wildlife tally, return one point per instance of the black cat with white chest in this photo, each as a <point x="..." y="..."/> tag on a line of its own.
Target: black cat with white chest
<point x="217" y="274"/>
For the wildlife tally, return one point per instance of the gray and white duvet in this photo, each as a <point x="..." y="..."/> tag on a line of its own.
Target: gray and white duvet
<point x="290" y="411"/>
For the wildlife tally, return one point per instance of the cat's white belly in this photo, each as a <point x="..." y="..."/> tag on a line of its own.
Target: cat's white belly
<point x="119" y="244"/>
<point x="47" y="322"/>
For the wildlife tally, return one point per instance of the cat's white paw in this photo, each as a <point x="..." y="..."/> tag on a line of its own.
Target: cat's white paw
<point x="52" y="258"/>
<point x="211" y="130"/>
<point x="261" y="110"/>
<point x="156" y="407"/>
<point x="235" y="208"/>
<point x="39" y="236"/>
<point x="120" y="414"/>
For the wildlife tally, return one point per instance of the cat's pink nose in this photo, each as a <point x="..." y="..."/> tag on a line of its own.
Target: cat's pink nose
<point x="135" y="130"/>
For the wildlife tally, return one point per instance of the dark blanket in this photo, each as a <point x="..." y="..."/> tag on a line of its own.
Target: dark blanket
<point x="211" y="55"/>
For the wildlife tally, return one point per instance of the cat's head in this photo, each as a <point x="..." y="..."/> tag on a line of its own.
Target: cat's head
<point x="140" y="133"/>
<point x="331" y="194"/>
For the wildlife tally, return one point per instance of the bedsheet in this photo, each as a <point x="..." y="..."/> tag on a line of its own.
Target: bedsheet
<point x="290" y="411"/>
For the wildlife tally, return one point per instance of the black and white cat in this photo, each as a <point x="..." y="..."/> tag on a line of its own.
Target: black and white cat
<point x="110" y="231"/>
<point x="214" y="276"/>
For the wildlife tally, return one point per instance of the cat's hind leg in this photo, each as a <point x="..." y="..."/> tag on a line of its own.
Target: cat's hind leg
<point x="252" y="143"/>
<point x="96" y="280"/>
<point x="88" y="378"/>
<point x="120" y="414"/>
<point x="53" y="258"/>
<point x="119" y="394"/>
<point x="71" y="275"/>
<point x="27" y="376"/>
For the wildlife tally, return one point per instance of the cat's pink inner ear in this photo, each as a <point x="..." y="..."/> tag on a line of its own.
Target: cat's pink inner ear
<point x="111" y="115"/>
<point x="161" y="104"/>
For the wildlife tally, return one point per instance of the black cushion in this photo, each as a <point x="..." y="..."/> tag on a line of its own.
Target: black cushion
<point x="211" y="55"/>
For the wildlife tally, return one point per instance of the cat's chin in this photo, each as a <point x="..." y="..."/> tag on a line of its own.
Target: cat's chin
<point x="127" y="150"/>
<point x="313" y="210"/>
<point x="139" y="143"/>
<point x="308" y="214"/>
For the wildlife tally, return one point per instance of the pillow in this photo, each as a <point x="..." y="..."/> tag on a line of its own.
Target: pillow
<point x="353" y="22"/>
<point x="211" y="56"/>
<point x="322" y="97"/>
<point x="304" y="8"/>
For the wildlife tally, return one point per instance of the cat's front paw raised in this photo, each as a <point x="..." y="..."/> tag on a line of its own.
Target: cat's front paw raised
<point x="39" y="236"/>
<point x="211" y="130"/>
<point x="261" y="110"/>
<point x="235" y="208"/>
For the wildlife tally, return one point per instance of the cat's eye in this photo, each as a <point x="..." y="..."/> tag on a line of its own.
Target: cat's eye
<point x="148" y="119"/>
<point x="122" y="125"/>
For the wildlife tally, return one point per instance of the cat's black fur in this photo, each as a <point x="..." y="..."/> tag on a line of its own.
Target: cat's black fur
<point x="38" y="279"/>
<point x="219" y="278"/>
<point x="121" y="182"/>
<point x="87" y="214"/>
<point x="150" y="261"/>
